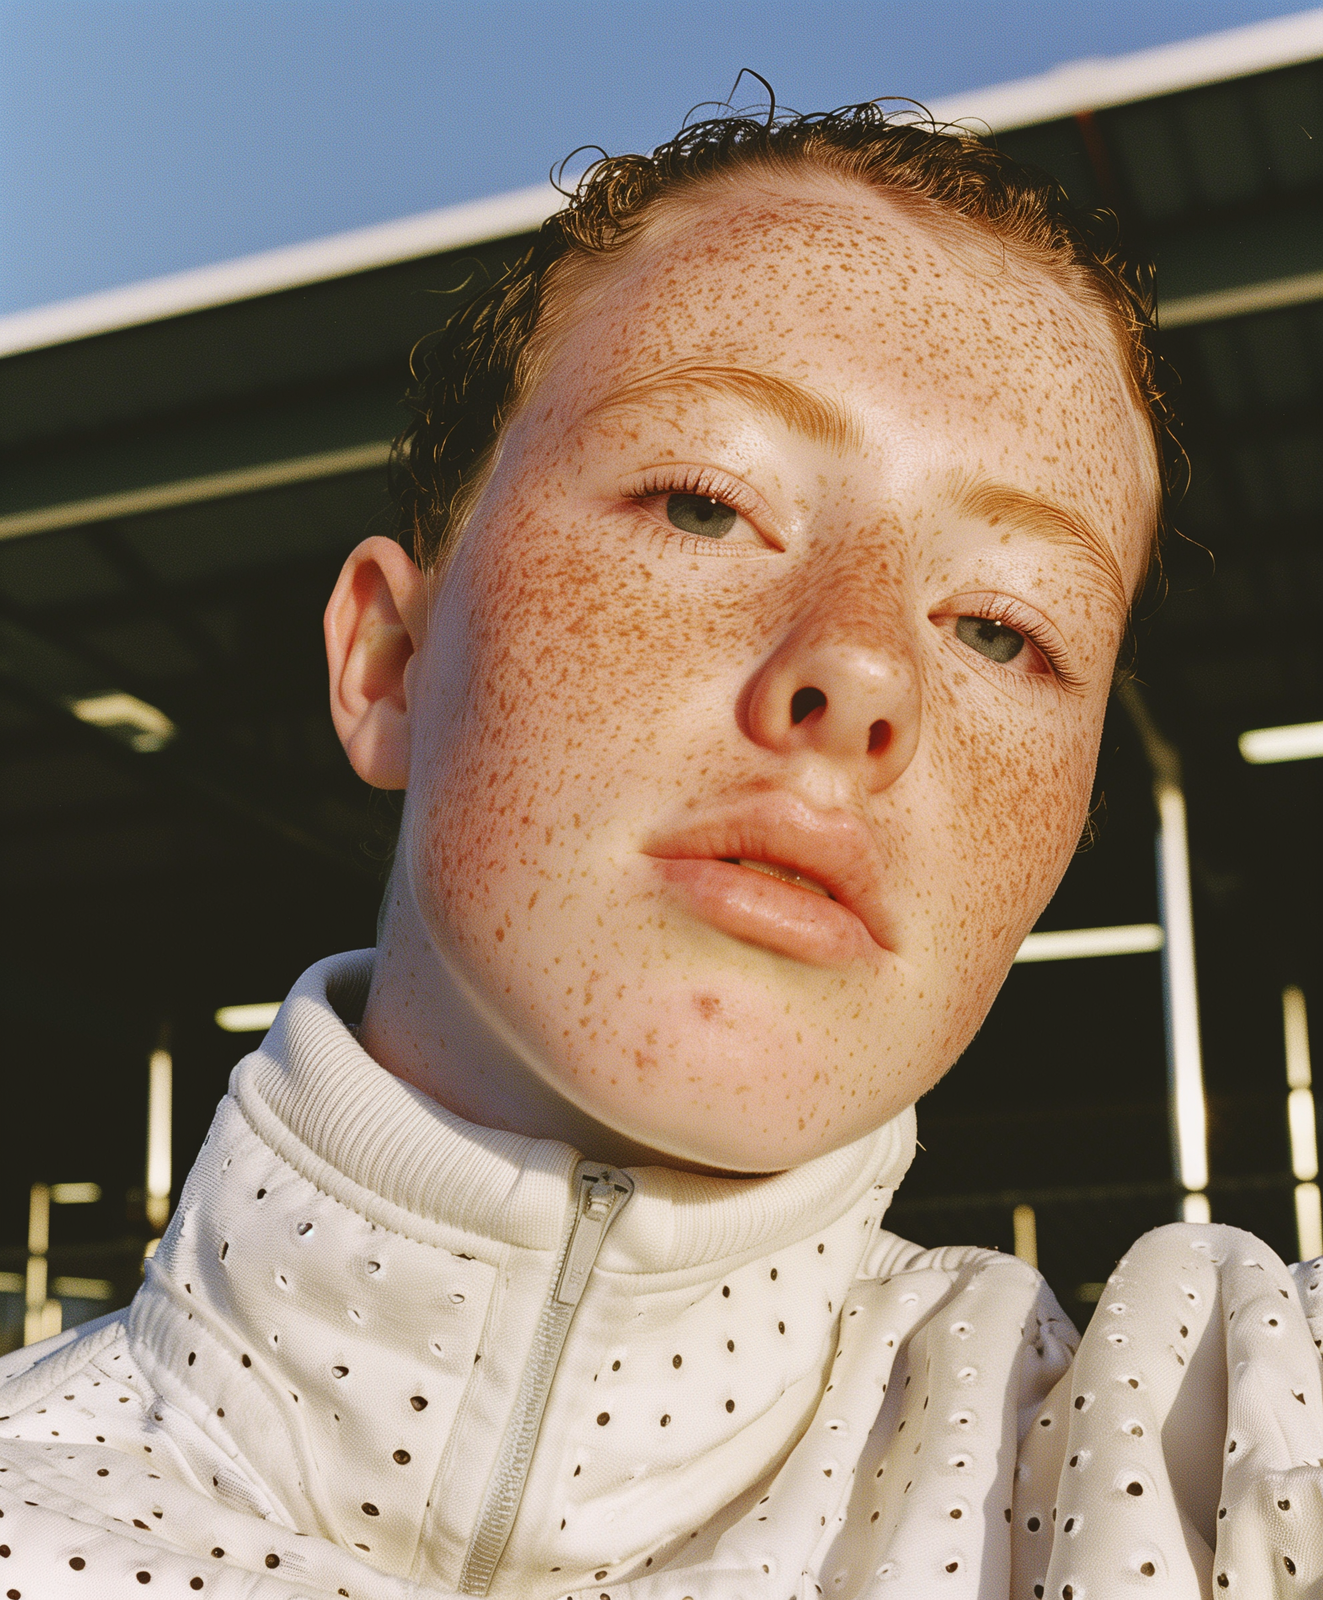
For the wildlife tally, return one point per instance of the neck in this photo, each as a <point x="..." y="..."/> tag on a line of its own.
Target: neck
<point x="426" y="1023"/>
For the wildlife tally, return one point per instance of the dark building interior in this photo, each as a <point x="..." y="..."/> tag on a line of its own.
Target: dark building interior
<point x="147" y="888"/>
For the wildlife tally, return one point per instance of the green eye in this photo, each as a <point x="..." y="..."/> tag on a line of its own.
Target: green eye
<point x="989" y="638"/>
<point x="696" y="513"/>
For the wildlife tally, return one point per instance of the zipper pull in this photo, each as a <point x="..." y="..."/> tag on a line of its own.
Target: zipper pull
<point x="602" y="1193"/>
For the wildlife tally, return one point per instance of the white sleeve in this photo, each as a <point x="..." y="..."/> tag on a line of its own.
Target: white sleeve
<point x="1193" y="1433"/>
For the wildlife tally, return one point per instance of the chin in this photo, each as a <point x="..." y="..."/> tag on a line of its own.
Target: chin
<point x="712" y="1051"/>
<point x="745" y="1077"/>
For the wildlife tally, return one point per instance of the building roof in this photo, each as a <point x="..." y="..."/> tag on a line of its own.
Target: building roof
<point x="431" y="233"/>
<point x="1099" y="82"/>
<point x="1089" y="85"/>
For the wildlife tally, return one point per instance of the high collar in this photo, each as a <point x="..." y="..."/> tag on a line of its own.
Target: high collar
<point x="351" y="1295"/>
<point x="390" y="1139"/>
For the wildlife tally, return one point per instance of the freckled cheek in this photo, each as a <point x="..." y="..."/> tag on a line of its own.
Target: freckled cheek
<point x="1044" y="787"/>
<point x="1019" y="796"/>
<point x="563" y="679"/>
<point x="1015" y="807"/>
<point x="576" y="633"/>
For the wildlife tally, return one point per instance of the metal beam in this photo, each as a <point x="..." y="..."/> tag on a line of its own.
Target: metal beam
<point x="192" y="491"/>
<point x="1243" y="301"/>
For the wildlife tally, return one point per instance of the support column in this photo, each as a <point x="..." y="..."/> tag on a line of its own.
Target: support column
<point x="1186" y="1101"/>
<point x="42" y="1316"/>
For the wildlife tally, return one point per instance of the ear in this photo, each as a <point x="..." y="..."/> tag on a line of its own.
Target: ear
<point x="375" y="621"/>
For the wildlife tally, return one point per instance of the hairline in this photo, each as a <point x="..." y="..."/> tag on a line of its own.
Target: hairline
<point x="559" y="300"/>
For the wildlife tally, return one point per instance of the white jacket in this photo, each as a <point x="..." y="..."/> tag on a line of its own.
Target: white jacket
<point x="384" y="1353"/>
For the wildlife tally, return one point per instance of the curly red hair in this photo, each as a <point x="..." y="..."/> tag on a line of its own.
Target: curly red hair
<point x="471" y="376"/>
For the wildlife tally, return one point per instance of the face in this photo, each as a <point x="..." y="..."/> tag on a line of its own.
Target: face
<point x="757" y="714"/>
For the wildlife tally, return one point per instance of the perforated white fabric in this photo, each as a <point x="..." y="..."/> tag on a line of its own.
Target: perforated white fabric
<point x="763" y="1394"/>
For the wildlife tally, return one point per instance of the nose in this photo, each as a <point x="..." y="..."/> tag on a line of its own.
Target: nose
<point x="853" y="700"/>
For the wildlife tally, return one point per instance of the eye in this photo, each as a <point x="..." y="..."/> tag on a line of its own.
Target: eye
<point x="991" y="639"/>
<point x="699" y="513"/>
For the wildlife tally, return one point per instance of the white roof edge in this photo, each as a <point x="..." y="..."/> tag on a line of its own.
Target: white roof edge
<point x="1088" y="85"/>
<point x="1099" y="82"/>
<point x="451" y="228"/>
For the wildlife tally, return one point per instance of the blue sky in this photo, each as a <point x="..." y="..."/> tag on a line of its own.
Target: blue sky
<point x="139" y="137"/>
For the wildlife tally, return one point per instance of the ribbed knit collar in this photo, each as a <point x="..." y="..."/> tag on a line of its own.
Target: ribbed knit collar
<point x="392" y="1140"/>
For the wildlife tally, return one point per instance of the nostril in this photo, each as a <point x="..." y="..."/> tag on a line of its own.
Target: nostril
<point x="804" y="702"/>
<point x="879" y="737"/>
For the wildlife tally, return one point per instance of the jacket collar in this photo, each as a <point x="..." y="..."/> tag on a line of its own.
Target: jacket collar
<point x="352" y="1295"/>
<point x="385" y="1136"/>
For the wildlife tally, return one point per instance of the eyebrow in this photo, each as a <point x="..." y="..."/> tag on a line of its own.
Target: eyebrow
<point x="816" y="416"/>
<point x="826" y="422"/>
<point x="995" y="503"/>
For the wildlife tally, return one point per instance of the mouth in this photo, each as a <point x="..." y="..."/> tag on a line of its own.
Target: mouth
<point x="774" y="871"/>
<point x="783" y="874"/>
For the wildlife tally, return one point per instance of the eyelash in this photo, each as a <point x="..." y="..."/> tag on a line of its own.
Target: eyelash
<point x="705" y="481"/>
<point x="658" y="481"/>
<point x="1010" y="614"/>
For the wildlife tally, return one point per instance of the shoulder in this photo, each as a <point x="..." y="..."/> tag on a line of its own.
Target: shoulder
<point x="890" y="1256"/>
<point x="971" y="1281"/>
<point x="29" y="1374"/>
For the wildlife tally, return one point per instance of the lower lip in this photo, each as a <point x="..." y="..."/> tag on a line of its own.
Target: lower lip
<point x="769" y="912"/>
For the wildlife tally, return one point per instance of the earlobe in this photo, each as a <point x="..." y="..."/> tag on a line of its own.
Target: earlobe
<point x="375" y="620"/>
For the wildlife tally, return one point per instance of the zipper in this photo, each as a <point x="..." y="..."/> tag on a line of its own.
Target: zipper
<point x="600" y="1195"/>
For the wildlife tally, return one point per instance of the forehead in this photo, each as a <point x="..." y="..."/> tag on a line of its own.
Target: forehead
<point x="926" y="325"/>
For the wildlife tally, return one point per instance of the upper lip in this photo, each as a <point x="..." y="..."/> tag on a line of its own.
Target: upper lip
<point x="833" y="847"/>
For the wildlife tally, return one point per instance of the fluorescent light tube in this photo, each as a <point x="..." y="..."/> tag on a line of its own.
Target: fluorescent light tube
<point x="82" y="1289"/>
<point x="1304" y="1138"/>
<point x="247" y="1019"/>
<point x="1072" y="944"/>
<point x="1309" y="1220"/>
<point x="143" y="727"/>
<point x="1298" y="741"/>
<point x="1025" y="1227"/>
<point x="1295" y="1026"/>
<point x="160" y="1095"/>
